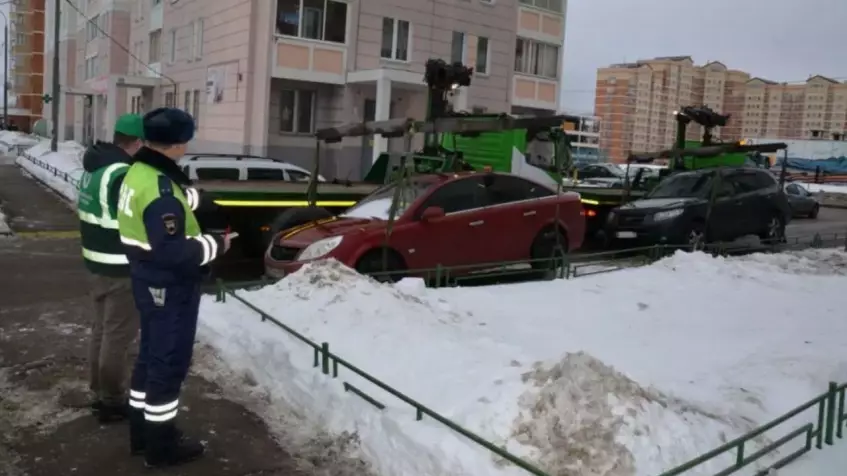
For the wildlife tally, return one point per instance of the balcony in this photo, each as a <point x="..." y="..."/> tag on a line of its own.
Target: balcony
<point x="304" y="59"/>
<point x="541" y="25"/>
<point x="535" y="92"/>
<point x="310" y="41"/>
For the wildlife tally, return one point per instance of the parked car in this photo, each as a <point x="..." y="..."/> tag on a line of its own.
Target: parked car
<point x="241" y="167"/>
<point x="461" y="219"/>
<point x="748" y="201"/>
<point x="603" y="174"/>
<point x="803" y="202"/>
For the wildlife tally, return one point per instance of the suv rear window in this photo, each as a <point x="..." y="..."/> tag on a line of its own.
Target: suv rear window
<point x="265" y="174"/>
<point x="213" y="173"/>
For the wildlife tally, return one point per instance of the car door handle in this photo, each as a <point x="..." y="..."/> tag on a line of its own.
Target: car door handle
<point x="476" y="223"/>
<point x="529" y="213"/>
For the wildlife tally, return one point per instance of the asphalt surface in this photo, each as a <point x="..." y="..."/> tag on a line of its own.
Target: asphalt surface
<point x="44" y="312"/>
<point x="829" y="221"/>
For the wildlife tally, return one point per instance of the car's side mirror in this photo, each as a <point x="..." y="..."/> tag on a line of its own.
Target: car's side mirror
<point x="432" y="213"/>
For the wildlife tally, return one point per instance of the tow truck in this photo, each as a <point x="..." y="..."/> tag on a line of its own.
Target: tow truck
<point x="260" y="209"/>
<point x="686" y="155"/>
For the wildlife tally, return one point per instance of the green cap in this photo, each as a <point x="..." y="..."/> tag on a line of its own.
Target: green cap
<point x="130" y="125"/>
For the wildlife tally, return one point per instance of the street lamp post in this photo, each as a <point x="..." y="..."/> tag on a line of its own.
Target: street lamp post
<point x="6" y="50"/>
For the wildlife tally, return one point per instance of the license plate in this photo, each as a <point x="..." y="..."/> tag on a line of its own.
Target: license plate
<point x="626" y="234"/>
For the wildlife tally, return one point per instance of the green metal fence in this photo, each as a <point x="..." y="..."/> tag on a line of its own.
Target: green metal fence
<point x="578" y="265"/>
<point x="330" y="363"/>
<point x="828" y="426"/>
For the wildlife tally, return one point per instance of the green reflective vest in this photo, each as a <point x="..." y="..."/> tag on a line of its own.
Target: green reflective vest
<point x="102" y="250"/>
<point x="139" y="189"/>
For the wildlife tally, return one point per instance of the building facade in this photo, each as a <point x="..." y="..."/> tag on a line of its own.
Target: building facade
<point x="636" y="102"/>
<point x="262" y="75"/>
<point x="26" y="62"/>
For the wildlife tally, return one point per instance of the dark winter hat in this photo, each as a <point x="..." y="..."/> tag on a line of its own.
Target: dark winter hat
<point x="168" y="126"/>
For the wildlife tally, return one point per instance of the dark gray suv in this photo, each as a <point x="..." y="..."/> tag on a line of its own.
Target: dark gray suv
<point x="745" y="201"/>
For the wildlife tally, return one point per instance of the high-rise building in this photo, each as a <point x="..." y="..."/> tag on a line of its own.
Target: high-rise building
<point x="262" y="75"/>
<point x="26" y="62"/>
<point x="636" y="102"/>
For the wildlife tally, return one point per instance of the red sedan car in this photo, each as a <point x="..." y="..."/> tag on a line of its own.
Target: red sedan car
<point x="449" y="220"/>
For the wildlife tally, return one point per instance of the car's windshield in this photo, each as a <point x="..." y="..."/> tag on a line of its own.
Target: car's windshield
<point x="378" y="204"/>
<point x="682" y="186"/>
<point x="616" y="169"/>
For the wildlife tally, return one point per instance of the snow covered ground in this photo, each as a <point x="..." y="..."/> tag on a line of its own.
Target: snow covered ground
<point x="627" y="373"/>
<point x="816" y="187"/>
<point x="67" y="160"/>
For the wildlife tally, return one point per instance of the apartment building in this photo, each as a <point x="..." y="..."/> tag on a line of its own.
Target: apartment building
<point x="26" y="62"/>
<point x="585" y="139"/>
<point x="636" y="102"/>
<point x="263" y="75"/>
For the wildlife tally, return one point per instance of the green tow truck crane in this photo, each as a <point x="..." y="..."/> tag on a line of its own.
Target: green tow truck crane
<point x="259" y="209"/>
<point x="686" y="155"/>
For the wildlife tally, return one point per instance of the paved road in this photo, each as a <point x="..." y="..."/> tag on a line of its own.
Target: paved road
<point x="43" y="327"/>
<point x="830" y="220"/>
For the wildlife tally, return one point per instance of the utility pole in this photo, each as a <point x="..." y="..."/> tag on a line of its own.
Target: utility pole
<point x="6" y="74"/>
<point x="54" y="141"/>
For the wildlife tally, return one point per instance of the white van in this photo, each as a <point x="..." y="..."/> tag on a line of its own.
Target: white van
<point x="241" y="167"/>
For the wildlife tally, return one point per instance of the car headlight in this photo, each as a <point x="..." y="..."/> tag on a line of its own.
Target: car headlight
<point x="667" y="215"/>
<point x="319" y="248"/>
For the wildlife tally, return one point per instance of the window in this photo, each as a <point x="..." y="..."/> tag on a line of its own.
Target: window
<point x="172" y="45"/>
<point x="793" y="189"/>
<point x="457" y="196"/>
<point x="457" y="48"/>
<point x="552" y="5"/>
<point x="20" y="38"/>
<point x="197" y="38"/>
<point x="481" y="66"/>
<point x="186" y="105"/>
<point x="91" y="29"/>
<point x="192" y="42"/>
<point x="297" y="176"/>
<point x="315" y="19"/>
<point x="91" y="67"/>
<point x="170" y="99"/>
<point x="296" y="111"/>
<point x="155" y="53"/>
<point x="265" y="174"/>
<point x="209" y="173"/>
<point x="195" y="107"/>
<point x="750" y="182"/>
<point x="395" y="39"/>
<point x="536" y="58"/>
<point x="508" y="189"/>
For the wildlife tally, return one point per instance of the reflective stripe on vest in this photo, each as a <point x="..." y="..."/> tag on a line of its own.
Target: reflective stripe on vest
<point x="104" y="258"/>
<point x="192" y="196"/>
<point x="105" y="220"/>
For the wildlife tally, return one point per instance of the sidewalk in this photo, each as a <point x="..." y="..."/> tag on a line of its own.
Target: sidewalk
<point x="43" y="329"/>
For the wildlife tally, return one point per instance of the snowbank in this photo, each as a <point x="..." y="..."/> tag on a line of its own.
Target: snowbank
<point x="10" y="139"/>
<point x="816" y="188"/>
<point x="4" y="225"/>
<point x="59" y="170"/>
<point x="614" y="374"/>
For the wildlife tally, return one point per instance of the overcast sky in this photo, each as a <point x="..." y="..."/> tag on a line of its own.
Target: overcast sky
<point x="781" y="40"/>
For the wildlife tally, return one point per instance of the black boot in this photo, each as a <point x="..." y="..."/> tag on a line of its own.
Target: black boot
<point x="167" y="447"/>
<point x="108" y="413"/>
<point x="137" y="432"/>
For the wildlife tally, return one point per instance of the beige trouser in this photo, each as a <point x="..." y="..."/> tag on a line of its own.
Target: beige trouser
<point x="114" y="328"/>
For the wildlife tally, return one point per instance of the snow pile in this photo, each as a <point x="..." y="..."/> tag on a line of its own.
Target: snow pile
<point x="826" y="188"/>
<point x="614" y="374"/>
<point x="67" y="160"/>
<point x="10" y="139"/>
<point x="4" y="225"/>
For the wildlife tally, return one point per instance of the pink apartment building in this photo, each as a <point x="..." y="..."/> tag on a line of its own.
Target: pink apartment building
<point x="262" y="75"/>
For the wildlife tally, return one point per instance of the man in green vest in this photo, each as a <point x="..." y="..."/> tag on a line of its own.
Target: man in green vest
<point x="169" y="256"/>
<point x="115" y="320"/>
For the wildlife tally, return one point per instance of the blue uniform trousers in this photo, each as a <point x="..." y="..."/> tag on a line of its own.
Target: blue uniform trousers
<point x="168" y="327"/>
